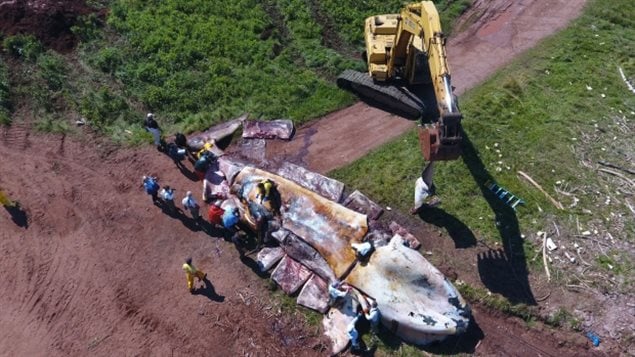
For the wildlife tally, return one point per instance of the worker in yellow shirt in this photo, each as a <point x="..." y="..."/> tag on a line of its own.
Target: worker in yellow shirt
<point x="263" y="192"/>
<point x="206" y="147"/>
<point x="5" y="201"/>
<point x="191" y="272"/>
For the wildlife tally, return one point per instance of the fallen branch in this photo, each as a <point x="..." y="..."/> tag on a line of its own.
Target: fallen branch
<point x="626" y="81"/>
<point x="555" y="203"/>
<point x="591" y="239"/>
<point x="615" y="173"/>
<point x="608" y="164"/>
<point x="544" y="297"/>
<point x="544" y="256"/>
<point x="629" y="206"/>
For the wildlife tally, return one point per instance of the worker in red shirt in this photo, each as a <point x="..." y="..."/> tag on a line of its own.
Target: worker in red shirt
<point x="215" y="214"/>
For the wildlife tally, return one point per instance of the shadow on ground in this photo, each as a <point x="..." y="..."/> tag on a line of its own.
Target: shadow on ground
<point x="458" y="231"/>
<point x="209" y="292"/>
<point x="18" y="215"/>
<point x="502" y="271"/>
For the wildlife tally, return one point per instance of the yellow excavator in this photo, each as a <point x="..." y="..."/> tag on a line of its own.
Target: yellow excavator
<point x="408" y="74"/>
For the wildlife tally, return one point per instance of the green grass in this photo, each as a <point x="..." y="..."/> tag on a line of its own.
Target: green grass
<point x="538" y="116"/>
<point x="212" y="61"/>
<point x="5" y="100"/>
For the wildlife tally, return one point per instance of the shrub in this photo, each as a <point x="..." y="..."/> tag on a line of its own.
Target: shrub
<point x="87" y="27"/>
<point x="23" y="46"/>
<point x="52" y="70"/>
<point x="102" y="108"/>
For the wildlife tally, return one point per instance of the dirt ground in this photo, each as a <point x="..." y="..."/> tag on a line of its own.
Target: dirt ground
<point x="96" y="267"/>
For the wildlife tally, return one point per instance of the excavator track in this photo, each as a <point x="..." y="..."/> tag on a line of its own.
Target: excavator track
<point x="397" y="99"/>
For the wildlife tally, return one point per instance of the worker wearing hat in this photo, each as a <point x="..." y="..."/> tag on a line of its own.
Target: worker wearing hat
<point x="153" y="127"/>
<point x="191" y="272"/>
<point x="190" y="204"/>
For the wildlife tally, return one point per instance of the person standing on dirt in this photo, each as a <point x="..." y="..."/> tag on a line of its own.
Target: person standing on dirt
<point x="191" y="272"/>
<point x="181" y="141"/>
<point x="215" y="214"/>
<point x="153" y="127"/>
<point x="261" y="217"/>
<point x="190" y="204"/>
<point x="151" y="186"/>
<point x="5" y="200"/>
<point x="167" y="194"/>
<point x="203" y="163"/>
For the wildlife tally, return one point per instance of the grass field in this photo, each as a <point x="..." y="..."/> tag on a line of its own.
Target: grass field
<point x="553" y="114"/>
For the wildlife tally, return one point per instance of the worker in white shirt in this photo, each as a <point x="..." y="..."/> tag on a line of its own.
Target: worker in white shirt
<point x="190" y="204"/>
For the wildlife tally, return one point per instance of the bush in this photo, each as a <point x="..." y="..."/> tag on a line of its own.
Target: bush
<point x="23" y="46"/>
<point x="102" y="108"/>
<point x="87" y="27"/>
<point x="107" y="60"/>
<point x="52" y="70"/>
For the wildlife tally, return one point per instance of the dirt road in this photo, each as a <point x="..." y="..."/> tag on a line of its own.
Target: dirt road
<point x="491" y="34"/>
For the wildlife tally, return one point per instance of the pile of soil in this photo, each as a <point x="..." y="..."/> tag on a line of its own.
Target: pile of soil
<point x="50" y="21"/>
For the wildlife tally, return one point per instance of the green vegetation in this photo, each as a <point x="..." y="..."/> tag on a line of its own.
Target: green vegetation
<point x="194" y="64"/>
<point x="205" y="63"/>
<point x="495" y="301"/>
<point x="559" y="105"/>
<point x="349" y="15"/>
<point x="308" y="41"/>
<point x="5" y="101"/>
<point x="563" y="318"/>
<point x="23" y="46"/>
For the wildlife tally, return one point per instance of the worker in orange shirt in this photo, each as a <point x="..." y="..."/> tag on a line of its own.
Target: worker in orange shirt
<point x="191" y="272"/>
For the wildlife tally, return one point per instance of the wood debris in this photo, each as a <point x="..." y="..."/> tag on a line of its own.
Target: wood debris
<point x="528" y="178"/>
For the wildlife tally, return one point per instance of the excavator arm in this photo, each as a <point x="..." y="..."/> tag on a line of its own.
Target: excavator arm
<point x="410" y="47"/>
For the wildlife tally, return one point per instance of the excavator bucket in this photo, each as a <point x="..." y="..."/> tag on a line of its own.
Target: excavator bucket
<point x="441" y="142"/>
